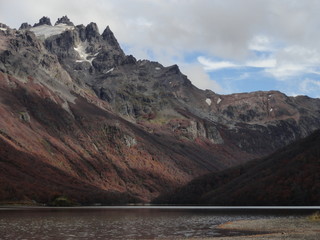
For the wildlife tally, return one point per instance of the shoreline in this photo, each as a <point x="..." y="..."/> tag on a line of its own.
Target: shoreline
<point x="277" y="228"/>
<point x="300" y="228"/>
<point x="231" y="208"/>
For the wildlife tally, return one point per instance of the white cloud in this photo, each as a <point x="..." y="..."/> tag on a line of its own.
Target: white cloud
<point x="294" y="61"/>
<point x="286" y="70"/>
<point x="200" y="78"/>
<point x="262" y="43"/>
<point x="225" y="29"/>
<point x="217" y="27"/>
<point x="308" y="85"/>
<point x="262" y="63"/>
<point x="210" y="65"/>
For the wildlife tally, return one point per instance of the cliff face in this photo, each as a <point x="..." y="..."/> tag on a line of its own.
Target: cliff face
<point x="76" y="111"/>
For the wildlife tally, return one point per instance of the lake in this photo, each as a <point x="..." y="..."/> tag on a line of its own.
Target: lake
<point x="127" y="222"/>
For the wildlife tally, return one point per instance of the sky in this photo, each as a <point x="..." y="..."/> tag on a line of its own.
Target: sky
<point x="227" y="46"/>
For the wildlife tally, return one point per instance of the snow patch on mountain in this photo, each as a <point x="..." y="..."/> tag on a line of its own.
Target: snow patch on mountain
<point x="110" y="70"/>
<point x="45" y="31"/>
<point x="84" y="56"/>
<point x="81" y="50"/>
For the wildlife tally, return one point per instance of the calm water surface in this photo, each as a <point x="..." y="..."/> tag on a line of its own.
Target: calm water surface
<point x="123" y="222"/>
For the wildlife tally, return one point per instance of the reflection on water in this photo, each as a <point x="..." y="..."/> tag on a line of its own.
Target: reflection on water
<point x="117" y="223"/>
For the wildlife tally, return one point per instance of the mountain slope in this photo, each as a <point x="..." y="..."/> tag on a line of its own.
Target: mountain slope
<point x="73" y="102"/>
<point x="290" y="176"/>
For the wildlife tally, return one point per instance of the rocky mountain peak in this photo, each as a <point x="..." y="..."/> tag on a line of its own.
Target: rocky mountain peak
<point x="44" y="20"/>
<point x="64" y="20"/>
<point x="25" y="26"/>
<point x="92" y="31"/>
<point x="108" y="36"/>
<point x="3" y="26"/>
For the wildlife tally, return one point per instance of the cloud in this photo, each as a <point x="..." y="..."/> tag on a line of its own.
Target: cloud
<point x="210" y="65"/>
<point x="200" y="78"/>
<point x="217" y="27"/>
<point x="261" y="62"/>
<point x="294" y="61"/>
<point x="308" y="85"/>
<point x="224" y="29"/>
<point x="287" y="70"/>
<point x="262" y="43"/>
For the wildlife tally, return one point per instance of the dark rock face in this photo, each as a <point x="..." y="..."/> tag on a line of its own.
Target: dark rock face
<point x="109" y="37"/>
<point x="43" y="21"/>
<point x="129" y="60"/>
<point x="81" y="29"/>
<point x="2" y="25"/>
<point x="92" y="32"/>
<point x="25" y="26"/>
<point x="131" y="126"/>
<point x="64" y="20"/>
<point x="62" y="45"/>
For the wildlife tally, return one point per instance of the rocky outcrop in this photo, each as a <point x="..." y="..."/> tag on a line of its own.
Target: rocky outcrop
<point x="92" y="32"/>
<point x="109" y="37"/>
<point x="64" y="20"/>
<point x="25" y="26"/>
<point x="4" y="26"/>
<point x="43" y="21"/>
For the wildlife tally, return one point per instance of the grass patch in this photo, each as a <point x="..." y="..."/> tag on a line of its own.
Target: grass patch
<point x="315" y="216"/>
<point x="61" y="201"/>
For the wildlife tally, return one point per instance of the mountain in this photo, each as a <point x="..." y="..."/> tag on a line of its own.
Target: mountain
<point x="80" y="118"/>
<point x="290" y="176"/>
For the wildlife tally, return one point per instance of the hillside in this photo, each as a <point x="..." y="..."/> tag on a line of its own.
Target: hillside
<point x="290" y="176"/>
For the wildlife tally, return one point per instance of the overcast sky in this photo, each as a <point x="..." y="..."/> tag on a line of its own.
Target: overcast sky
<point x="223" y="45"/>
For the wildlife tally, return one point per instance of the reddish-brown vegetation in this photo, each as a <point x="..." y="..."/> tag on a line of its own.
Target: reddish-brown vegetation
<point x="290" y="176"/>
<point x="89" y="153"/>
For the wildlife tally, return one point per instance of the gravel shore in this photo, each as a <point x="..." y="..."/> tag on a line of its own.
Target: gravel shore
<point x="279" y="228"/>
